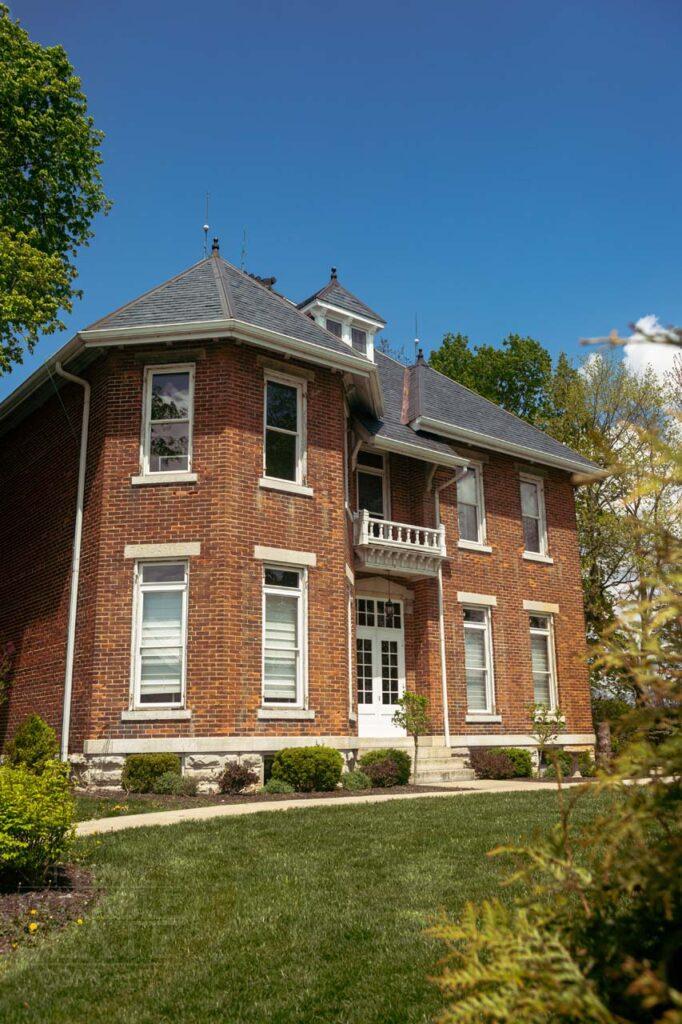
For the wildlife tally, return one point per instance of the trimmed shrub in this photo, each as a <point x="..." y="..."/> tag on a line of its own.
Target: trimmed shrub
<point x="277" y="786"/>
<point x="172" y="784"/>
<point x="141" y="771"/>
<point x="521" y="759"/>
<point x="356" y="780"/>
<point x="563" y="759"/>
<point x="491" y="763"/>
<point x="33" y="745"/>
<point x="586" y="765"/>
<point x="384" y="773"/>
<point x="237" y="777"/>
<point x="400" y="758"/>
<point x="36" y="819"/>
<point x="308" y="769"/>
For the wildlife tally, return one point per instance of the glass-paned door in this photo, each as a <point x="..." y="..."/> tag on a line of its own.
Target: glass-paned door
<point x="380" y="665"/>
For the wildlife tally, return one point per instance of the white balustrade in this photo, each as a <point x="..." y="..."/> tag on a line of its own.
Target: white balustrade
<point x="389" y="534"/>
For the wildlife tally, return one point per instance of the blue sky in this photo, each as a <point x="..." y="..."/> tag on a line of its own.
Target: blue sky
<point x="494" y="166"/>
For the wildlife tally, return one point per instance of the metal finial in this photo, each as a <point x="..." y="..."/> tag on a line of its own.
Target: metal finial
<point x="334" y="274"/>
<point x="215" y="248"/>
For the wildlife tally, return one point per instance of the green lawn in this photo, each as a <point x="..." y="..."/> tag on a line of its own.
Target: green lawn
<point x="89" y="807"/>
<point x="287" y="917"/>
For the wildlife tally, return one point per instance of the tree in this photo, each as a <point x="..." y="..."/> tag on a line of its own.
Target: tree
<point x="516" y="375"/>
<point x="50" y="187"/>
<point x="412" y="716"/>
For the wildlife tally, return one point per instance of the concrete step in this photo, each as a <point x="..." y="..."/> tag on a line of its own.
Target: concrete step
<point x="429" y="778"/>
<point x="441" y="764"/>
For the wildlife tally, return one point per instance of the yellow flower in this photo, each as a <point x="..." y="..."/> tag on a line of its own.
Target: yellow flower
<point x="33" y="912"/>
<point x="79" y="921"/>
<point x="33" y="926"/>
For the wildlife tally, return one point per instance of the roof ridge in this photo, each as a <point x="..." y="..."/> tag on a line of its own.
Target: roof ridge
<point x="280" y="298"/>
<point x="500" y="408"/>
<point x="223" y="291"/>
<point x="150" y="291"/>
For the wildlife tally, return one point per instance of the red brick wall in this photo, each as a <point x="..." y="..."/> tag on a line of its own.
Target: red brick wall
<point x="229" y="514"/>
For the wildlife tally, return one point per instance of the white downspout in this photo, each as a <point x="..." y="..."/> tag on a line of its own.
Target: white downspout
<point x="441" y="615"/>
<point x="75" y="559"/>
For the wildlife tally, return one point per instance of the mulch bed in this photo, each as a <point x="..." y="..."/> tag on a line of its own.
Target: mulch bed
<point x="26" y="913"/>
<point x="163" y="802"/>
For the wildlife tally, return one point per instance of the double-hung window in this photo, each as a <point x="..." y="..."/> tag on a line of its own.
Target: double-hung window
<point x="372" y="484"/>
<point x="533" y="515"/>
<point x="284" y="630"/>
<point x="543" y="660"/>
<point x="478" y="660"/>
<point x="284" y="455"/>
<point x="168" y="415"/>
<point x="470" y="508"/>
<point x="160" y="633"/>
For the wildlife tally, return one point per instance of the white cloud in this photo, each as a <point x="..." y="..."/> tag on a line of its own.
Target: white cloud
<point x="643" y="354"/>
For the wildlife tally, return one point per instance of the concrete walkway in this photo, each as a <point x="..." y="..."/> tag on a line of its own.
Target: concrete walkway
<point x="124" y="821"/>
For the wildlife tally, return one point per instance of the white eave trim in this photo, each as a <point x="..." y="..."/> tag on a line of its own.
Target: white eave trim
<point x="348" y="314"/>
<point x="415" y="451"/>
<point x="495" y="444"/>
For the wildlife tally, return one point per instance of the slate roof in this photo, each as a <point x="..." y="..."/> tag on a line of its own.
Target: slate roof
<point x="424" y="391"/>
<point x="336" y="295"/>
<point x="215" y="290"/>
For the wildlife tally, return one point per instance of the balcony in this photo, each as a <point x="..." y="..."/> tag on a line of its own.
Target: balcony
<point x="385" y="546"/>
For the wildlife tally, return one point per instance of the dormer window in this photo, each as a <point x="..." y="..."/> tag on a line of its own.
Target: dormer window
<point x="335" y="327"/>
<point x="359" y="340"/>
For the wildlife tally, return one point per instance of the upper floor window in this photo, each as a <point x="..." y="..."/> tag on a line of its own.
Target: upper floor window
<point x="168" y="414"/>
<point x="542" y="658"/>
<point x="478" y="659"/>
<point x="372" y="484"/>
<point x="160" y="633"/>
<point x="359" y="340"/>
<point x="335" y="327"/>
<point x="533" y="514"/>
<point x="284" y="455"/>
<point x="470" y="509"/>
<point x="284" y="627"/>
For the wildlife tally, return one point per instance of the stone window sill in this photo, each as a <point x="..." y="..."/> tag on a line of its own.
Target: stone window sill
<point x="163" y="478"/>
<point x="534" y="556"/>
<point x="471" y="545"/>
<point x="482" y="719"/>
<point x="287" y="486"/>
<point x="293" y="714"/>
<point x="156" y="715"/>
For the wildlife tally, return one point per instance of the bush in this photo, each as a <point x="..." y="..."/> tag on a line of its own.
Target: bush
<point x="491" y="763"/>
<point x="172" y="784"/>
<point x="277" y="786"/>
<point x="308" y="768"/>
<point x="356" y="780"/>
<point x="400" y="758"/>
<point x="563" y="760"/>
<point x="521" y="759"/>
<point x="36" y="819"/>
<point x="34" y="744"/>
<point x="141" y="771"/>
<point x="237" y="777"/>
<point x="384" y="773"/>
<point x="586" y="765"/>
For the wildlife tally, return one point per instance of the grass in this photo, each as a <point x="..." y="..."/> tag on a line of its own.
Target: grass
<point x="289" y="917"/>
<point x="89" y="807"/>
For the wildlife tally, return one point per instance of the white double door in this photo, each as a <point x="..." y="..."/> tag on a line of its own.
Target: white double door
<point x="380" y="666"/>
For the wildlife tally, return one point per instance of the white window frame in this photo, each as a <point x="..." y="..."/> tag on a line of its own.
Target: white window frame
<point x="486" y="627"/>
<point x="480" y="542"/>
<point x="301" y="414"/>
<point x="547" y="632"/>
<point x="529" y="478"/>
<point x="139" y="587"/>
<point x="145" y="435"/>
<point x="301" y="592"/>
<point x="373" y="471"/>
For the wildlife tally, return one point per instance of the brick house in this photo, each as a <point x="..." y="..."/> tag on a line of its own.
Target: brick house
<point x="231" y="524"/>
